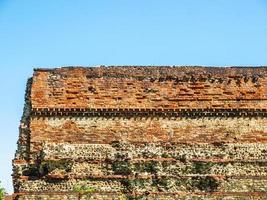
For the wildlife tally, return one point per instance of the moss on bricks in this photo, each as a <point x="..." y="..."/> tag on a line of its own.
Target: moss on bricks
<point x="48" y="166"/>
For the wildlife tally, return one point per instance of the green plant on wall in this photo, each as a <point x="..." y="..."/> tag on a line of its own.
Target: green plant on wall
<point x="83" y="189"/>
<point x="2" y="192"/>
<point x="123" y="197"/>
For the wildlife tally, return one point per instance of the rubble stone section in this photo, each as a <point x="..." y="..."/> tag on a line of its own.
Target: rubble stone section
<point x="143" y="133"/>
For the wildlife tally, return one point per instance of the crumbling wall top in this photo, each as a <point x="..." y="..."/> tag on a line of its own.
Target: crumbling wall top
<point x="150" y="87"/>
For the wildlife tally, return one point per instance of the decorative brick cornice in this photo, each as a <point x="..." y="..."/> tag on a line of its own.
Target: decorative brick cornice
<point x="131" y="112"/>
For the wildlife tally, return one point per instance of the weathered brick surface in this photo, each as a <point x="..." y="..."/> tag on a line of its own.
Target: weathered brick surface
<point x="143" y="133"/>
<point x="143" y="129"/>
<point x="151" y="87"/>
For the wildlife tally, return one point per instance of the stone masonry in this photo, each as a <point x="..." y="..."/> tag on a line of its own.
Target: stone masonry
<point x="143" y="133"/>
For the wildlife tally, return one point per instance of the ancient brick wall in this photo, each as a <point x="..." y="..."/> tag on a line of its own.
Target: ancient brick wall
<point x="151" y="87"/>
<point x="143" y="133"/>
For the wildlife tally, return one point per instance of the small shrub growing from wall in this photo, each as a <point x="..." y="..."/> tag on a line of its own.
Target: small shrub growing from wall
<point x="83" y="189"/>
<point x="2" y="192"/>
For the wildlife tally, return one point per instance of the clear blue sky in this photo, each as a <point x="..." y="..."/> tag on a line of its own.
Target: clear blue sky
<point x="53" y="33"/>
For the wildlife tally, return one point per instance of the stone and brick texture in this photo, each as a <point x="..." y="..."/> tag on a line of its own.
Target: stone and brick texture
<point x="143" y="133"/>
